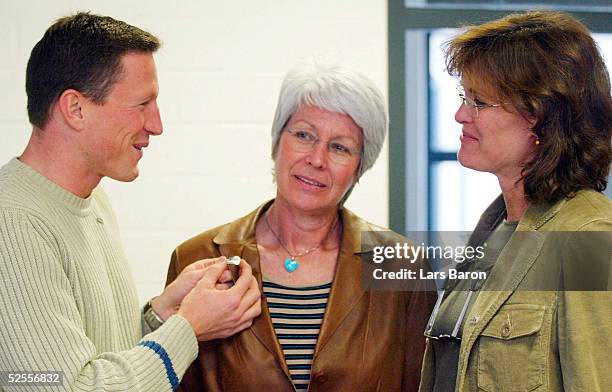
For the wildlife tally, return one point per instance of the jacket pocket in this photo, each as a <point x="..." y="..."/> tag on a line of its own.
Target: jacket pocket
<point x="510" y="353"/>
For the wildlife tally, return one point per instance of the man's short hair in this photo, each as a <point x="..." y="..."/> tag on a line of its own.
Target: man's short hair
<point x="82" y="52"/>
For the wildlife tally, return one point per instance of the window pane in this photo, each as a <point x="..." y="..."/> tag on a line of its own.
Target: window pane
<point x="460" y="195"/>
<point x="442" y="96"/>
<point x="604" y="41"/>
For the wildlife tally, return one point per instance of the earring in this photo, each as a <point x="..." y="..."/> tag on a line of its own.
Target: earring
<point x="537" y="141"/>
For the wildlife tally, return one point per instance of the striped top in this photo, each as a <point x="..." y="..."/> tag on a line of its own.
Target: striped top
<point x="297" y="313"/>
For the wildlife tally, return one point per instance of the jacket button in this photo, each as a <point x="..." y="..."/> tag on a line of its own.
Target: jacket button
<point x="320" y="377"/>
<point x="505" y="331"/>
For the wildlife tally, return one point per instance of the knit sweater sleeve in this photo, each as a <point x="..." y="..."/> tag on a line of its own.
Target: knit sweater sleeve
<point x="41" y="326"/>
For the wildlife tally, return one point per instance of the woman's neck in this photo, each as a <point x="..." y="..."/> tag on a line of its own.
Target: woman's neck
<point x="514" y="197"/>
<point x="300" y="230"/>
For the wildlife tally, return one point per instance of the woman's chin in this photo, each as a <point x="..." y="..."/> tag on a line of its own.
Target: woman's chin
<point x="309" y="202"/>
<point x="469" y="162"/>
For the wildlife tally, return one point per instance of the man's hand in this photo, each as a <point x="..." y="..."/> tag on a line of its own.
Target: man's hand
<point x="216" y="313"/>
<point x="168" y="303"/>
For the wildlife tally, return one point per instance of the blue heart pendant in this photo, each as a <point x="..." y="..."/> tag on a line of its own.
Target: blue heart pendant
<point x="291" y="265"/>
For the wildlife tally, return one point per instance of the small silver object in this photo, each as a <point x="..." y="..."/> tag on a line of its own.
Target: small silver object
<point x="233" y="260"/>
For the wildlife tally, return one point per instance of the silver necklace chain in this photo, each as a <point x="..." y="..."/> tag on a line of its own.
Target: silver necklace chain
<point x="293" y="257"/>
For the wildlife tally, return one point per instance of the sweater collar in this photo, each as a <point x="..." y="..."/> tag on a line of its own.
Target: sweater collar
<point x="77" y="205"/>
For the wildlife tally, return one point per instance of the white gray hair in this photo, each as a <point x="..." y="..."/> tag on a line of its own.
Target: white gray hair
<point x="340" y="90"/>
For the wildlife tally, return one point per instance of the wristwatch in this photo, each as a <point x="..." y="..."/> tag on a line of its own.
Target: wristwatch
<point x="151" y="318"/>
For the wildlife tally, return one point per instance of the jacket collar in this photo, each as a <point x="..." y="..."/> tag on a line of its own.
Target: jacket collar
<point x="538" y="214"/>
<point x="242" y="231"/>
<point x="238" y="238"/>
<point x="535" y="216"/>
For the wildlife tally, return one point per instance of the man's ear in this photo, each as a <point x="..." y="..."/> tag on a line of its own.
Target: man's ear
<point x="71" y="105"/>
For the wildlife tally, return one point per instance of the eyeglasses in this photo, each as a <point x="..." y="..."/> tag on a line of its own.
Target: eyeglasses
<point x="474" y="104"/>
<point x="304" y="140"/>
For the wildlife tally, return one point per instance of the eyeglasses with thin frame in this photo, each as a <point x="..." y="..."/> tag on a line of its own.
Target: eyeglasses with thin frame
<point x="474" y="105"/>
<point x="304" y="140"/>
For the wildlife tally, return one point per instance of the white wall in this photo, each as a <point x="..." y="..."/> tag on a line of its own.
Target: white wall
<point x="220" y="70"/>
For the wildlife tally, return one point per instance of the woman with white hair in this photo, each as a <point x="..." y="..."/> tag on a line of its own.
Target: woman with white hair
<point x="320" y="328"/>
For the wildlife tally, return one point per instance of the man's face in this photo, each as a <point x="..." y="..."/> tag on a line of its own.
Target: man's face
<point x="117" y="131"/>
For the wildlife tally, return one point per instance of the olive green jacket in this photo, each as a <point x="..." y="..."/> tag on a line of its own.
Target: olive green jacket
<point x="518" y="339"/>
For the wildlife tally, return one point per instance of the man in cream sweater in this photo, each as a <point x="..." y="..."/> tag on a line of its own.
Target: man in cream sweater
<point x="68" y="305"/>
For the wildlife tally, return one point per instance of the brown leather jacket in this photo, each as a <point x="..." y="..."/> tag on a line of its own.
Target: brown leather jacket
<point x="369" y="340"/>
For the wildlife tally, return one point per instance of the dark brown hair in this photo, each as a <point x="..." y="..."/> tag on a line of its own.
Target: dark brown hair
<point x="548" y="67"/>
<point x="83" y="52"/>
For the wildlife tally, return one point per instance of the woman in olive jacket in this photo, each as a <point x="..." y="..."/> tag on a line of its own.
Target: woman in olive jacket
<point x="536" y="112"/>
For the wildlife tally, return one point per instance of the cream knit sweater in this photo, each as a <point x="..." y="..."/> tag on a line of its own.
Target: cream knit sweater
<point x="67" y="298"/>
